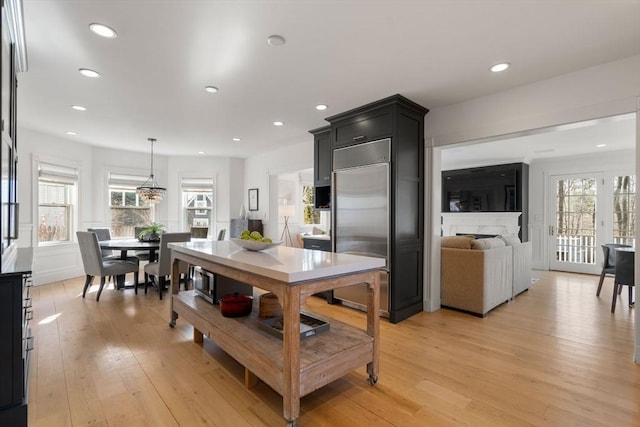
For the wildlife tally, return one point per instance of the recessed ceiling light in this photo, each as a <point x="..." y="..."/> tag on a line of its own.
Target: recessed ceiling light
<point x="500" y="67"/>
<point x="200" y="152"/>
<point x="321" y="107"/>
<point x="601" y="145"/>
<point x="276" y="40"/>
<point x="70" y="132"/>
<point x="278" y="123"/>
<point x="211" y="89"/>
<point x="89" y="73"/>
<point x="103" y="30"/>
<point x="78" y="108"/>
<point x="236" y="139"/>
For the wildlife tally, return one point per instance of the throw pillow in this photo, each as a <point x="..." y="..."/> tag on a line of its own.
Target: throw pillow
<point x="511" y="239"/>
<point x="490" y="243"/>
<point x="456" y="242"/>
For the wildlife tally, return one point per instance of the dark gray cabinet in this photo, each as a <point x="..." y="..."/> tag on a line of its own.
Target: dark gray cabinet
<point x="322" y="167"/>
<point x="320" y="245"/>
<point x="16" y="341"/>
<point x="368" y="124"/>
<point x="236" y="226"/>
<point x="401" y="120"/>
<point x="322" y="156"/>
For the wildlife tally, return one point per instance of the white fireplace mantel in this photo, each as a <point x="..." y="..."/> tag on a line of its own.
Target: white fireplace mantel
<point x="480" y="223"/>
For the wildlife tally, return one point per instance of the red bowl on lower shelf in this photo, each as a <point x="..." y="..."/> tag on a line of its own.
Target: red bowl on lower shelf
<point x="235" y="305"/>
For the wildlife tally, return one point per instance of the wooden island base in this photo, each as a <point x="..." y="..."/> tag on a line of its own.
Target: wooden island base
<point x="290" y="366"/>
<point x="250" y="379"/>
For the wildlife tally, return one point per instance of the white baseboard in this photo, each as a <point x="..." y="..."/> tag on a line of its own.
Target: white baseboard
<point x="46" y="277"/>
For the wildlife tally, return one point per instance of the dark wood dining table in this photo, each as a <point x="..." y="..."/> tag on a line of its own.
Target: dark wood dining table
<point x="125" y="245"/>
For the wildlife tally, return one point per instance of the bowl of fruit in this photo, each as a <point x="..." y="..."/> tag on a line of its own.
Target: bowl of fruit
<point x="254" y="241"/>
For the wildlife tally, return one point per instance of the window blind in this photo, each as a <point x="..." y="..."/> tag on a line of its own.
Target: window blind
<point x="57" y="173"/>
<point x="197" y="184"/>
<point x="126" y="181"/>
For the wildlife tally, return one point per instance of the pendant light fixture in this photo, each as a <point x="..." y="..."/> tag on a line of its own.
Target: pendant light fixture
<point x="150" y="191"/>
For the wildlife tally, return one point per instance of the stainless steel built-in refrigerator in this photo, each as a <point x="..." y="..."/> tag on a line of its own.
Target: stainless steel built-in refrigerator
<point x="360" y="213"/>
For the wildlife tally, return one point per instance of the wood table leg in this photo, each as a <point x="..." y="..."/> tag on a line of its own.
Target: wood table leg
<point x="250" y="379"/>
<point x="198" y="338"/>
<point x="175" y="269"/>
<point x="291" y="354"/>
<point x="373" y="324"/>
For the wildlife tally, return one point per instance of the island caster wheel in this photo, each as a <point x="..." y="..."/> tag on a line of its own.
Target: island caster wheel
<point x="172" y="324"/>
<point x="373" y="379"/>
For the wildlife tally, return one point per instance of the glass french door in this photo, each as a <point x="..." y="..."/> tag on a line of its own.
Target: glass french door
<point x="576" y="203"/>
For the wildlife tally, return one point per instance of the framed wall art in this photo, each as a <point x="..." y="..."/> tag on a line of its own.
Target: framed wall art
<point x="253" y="199"/>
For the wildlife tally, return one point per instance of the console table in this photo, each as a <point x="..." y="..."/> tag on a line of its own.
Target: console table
<point x="291" y="366"/>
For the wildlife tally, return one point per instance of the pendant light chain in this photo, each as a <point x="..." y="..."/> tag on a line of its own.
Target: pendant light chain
<point x="150" y="191"/>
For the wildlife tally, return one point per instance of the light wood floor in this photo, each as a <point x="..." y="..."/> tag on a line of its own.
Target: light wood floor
<point x="555" y="356"/>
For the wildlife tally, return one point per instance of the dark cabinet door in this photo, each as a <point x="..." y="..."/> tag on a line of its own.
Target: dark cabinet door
<point x="366" y="127"/>
<point x="11" y="338"/>
<point x="320" y="245"/>
<point x="237" y="225"/>
<point x="15" y="345"/>
<point x="322" y="157"/>
<point x="322" y="167"/>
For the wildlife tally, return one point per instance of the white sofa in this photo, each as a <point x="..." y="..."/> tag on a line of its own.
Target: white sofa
<point x="521" y="267"/>
<point x="477" y="275"/>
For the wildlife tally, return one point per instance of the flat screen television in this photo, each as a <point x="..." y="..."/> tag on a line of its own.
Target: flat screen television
<point x="484" y="189"/>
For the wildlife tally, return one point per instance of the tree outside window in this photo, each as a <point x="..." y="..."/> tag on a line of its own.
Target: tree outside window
<point x="624" y="207"/>
<point x="309" y="214"/>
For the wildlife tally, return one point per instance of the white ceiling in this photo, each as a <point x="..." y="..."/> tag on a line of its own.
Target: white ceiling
<point x="593" y="136"/>
<point x="340" y="53"/>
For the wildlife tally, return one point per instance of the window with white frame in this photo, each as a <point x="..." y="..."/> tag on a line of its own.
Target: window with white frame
<point x="197" y="203"/>
<point x="127" y="209"/>
<point x="57" y="196"/>
<point x="624" y="208"/>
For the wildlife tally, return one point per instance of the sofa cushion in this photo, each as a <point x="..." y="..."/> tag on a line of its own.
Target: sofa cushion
<point x="456" y="242"/>
<point x="490" y="243"/>
<point x="511" y="239"/>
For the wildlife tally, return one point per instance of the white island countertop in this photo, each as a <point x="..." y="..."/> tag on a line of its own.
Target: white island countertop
<point x="281" y="263"/>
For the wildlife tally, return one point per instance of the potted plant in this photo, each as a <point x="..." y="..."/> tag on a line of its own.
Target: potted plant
<point x="151" y="232"/>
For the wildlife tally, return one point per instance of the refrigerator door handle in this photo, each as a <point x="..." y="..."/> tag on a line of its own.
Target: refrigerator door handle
<point x="333" y="211"/>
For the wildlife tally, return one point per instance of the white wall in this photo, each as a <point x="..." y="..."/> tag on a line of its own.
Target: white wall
<point x="263" y="169"/>
<point x="600" y="91"/>
<point x="63" y="261"/>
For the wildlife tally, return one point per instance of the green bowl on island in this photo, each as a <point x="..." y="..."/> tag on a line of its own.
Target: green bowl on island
<point x="254" y="241"/>
<point x="254" y="245"/>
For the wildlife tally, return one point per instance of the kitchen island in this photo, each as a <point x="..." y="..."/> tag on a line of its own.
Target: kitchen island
<point x="291" y="366"/>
